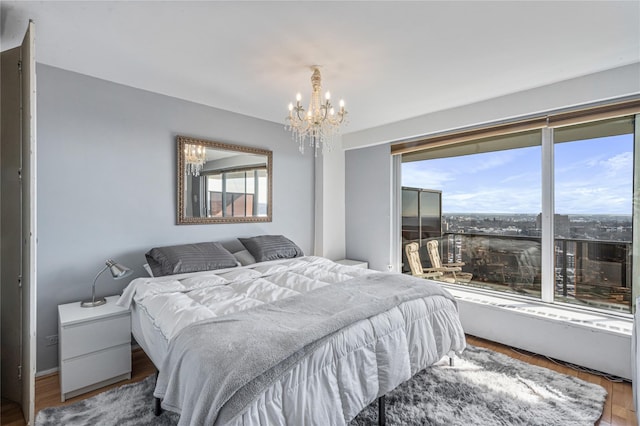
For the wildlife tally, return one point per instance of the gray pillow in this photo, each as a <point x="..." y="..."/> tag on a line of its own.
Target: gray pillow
<point x="233" y="245"/>
<point x="244" y="257"/>
<point x="271" y="247"/>
<point x="182" y="258"/>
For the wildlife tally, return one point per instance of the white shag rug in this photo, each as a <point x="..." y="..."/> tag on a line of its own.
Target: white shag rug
<point x="482" y="388"/>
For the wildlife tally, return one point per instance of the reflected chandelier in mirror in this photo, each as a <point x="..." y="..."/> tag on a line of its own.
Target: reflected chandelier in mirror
<point x="222" y="183"/>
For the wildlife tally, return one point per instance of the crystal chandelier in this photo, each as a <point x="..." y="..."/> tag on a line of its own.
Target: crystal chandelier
<point x="319" y="122"/>
<point x="194" y="158"/>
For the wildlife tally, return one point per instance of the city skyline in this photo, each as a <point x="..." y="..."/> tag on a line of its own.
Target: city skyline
<point x="533" y="215"/>
<point x="593" y="177"/>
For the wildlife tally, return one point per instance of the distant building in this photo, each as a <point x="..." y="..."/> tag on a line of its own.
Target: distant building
<point x="561" y="222"/>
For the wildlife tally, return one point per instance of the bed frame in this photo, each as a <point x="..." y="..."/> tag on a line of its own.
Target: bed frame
<point x="382" y="420"/>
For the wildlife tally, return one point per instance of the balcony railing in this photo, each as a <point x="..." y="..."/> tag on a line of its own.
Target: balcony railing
<point x="587" y="272"/>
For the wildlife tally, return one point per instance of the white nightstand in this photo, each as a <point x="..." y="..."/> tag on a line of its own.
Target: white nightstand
<point x="94" y="346"/>
<point x="356" y="263"/>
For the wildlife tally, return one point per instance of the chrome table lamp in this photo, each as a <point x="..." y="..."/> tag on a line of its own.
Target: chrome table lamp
<point x="118" y="271"/>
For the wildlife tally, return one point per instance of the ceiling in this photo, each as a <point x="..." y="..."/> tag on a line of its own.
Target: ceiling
<point x="389" y="60"/>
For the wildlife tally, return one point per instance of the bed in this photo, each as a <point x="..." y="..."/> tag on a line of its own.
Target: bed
<point x="287" y="341"/>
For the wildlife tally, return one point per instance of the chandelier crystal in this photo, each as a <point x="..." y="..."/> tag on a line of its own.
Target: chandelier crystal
<point x="320" y="122"/>
<point x="194" y="157"/>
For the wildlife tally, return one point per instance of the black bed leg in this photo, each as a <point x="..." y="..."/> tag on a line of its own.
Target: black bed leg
<point x="157" y="409"/>
<point x="382" y="419"/>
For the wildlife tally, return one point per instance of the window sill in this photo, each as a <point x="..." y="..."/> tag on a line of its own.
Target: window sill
<point x="616" y="323"/>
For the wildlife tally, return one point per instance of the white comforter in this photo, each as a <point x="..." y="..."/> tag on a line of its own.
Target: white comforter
<point x="349" y="371"/>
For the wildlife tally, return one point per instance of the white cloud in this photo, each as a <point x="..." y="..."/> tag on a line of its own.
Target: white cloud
<point x="523" y="177"/>
<point x="605" y="186"/>
<point x="593" y="196"/>
<point x="520" y="199"/>
<point x="497" y="160"/>
<point x="420" y="175"/>
<point x="619" y="163"/>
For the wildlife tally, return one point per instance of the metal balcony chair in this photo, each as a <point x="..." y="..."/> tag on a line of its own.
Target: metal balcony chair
<point x="452" y="272"/>
<point x="413" y="256"/>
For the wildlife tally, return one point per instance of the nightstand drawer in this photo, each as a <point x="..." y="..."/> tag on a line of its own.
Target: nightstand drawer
<point x="96" y="367"/>
<point x="91" y="336"/>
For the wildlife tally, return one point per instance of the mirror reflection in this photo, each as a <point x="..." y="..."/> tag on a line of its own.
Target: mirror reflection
<point x="222" y="183"/>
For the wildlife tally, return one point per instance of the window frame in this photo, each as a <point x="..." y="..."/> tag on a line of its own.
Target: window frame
<point x="552" y="119"/>
<point x="547" y="123"/>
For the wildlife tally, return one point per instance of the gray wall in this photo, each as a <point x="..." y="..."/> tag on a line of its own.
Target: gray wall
<point x="106" y="184"/>
<point x="368" y="212"/>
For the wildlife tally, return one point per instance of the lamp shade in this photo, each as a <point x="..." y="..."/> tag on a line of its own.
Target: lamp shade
<point x="118" y="271"/>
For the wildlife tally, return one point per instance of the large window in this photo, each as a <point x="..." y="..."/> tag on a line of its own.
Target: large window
<point x="493" y="214"/>
<point x="593" y="185"/>
<point x="491" y="194"/>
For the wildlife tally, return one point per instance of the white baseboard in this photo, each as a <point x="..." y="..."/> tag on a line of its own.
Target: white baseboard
<point x="47" y="372"/>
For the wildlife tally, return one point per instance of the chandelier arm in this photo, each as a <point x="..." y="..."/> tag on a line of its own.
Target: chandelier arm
<point x="326" y="107"/>
<point x="343" y="116"/>
<point x="298" y="110"/>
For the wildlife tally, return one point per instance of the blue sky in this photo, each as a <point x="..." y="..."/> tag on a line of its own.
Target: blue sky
<point x="592" y="177"/>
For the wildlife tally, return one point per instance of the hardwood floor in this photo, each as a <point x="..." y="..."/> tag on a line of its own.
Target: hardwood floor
<point x="48" y="389"/>
<point x="618" y="408"/>
<point x="11" y="414"/>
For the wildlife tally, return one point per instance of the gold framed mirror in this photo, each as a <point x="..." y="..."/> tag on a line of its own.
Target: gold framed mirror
<point x="222" y="183"/>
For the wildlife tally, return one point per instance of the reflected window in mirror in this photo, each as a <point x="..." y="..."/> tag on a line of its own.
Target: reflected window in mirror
<point x="229" y="183"/>
<point x="237" y="193"/>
